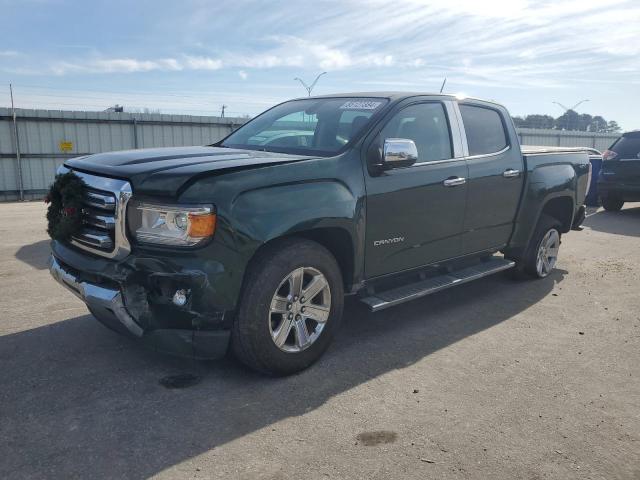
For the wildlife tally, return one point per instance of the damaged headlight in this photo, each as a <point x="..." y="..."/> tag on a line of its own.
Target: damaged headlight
<point x="172" y="225"/>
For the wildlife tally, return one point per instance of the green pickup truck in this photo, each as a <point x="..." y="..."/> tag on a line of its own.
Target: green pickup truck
<point x="251" y="244"/>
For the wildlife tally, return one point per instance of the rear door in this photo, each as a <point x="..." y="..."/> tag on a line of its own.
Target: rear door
<point x="414" y="215"/>
<point x="495" y="177"/>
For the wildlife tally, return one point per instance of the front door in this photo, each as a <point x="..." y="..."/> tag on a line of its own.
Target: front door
<point x="415" y="215"/>
<point x="495" y="179"/>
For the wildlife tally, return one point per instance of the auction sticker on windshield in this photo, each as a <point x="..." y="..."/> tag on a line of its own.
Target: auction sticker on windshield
<point x="360" y="105"/>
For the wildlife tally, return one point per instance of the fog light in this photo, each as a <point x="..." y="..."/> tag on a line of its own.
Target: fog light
<point x="180" y="297"/>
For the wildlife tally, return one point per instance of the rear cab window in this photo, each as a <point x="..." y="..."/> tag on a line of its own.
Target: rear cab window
<point x="484" y="129"/>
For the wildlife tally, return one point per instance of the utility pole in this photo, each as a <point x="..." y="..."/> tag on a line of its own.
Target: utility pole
<point x="309" y="88"/>
<point x="17" y="143"/>
<point x="223" y="109"/>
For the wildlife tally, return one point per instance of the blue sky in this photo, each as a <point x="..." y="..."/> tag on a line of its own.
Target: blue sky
<point x="193" y="56"/>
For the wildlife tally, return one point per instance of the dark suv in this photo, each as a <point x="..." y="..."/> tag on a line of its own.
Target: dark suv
<point x="619" y="179"/>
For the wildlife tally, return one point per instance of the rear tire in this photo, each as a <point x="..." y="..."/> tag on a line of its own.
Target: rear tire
<point x="541" y="255"/>
<point x="277" y="330"/>
<point x="612" y="204"/>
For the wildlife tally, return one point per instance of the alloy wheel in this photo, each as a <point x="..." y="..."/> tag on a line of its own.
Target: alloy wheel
<point x="548" y="253"/>
<point x="299" y="309"/>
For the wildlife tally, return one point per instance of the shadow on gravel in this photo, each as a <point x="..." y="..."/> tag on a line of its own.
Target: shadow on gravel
<point x="78" y="401"/>
<point x="35" y="254"/>
<point x="624" y="222"/>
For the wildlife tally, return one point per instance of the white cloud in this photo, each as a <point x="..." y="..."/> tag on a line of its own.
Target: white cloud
<point x="203" y="63"/>
<point x="133" y="65"/>
<point x="242" y="74"/>
<point x="9" y="53"/>
<point x="524" y="43"/>
<point x="265" y="61"/>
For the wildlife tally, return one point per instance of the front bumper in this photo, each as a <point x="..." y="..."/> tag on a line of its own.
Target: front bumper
<point x="107" y="304"/>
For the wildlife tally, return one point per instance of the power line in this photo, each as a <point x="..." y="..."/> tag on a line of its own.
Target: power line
<point x="195" y="94"/>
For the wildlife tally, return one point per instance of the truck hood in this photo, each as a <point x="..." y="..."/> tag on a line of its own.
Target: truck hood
<point x="163" y="171"/>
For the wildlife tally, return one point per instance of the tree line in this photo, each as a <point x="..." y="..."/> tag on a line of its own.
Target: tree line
<point x="570" y="120"/>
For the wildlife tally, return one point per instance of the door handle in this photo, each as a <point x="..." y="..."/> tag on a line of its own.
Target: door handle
<point x="454" y="181"/>
<point x="511" y="173"/>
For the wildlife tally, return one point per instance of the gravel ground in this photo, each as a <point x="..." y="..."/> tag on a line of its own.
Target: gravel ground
<point x="494" y="379"/>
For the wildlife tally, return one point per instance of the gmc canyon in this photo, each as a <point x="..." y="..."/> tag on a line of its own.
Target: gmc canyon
<point x="252" y="243"/>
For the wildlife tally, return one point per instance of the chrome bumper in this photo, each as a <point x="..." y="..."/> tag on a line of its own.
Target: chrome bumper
<point x="104" y="303"/>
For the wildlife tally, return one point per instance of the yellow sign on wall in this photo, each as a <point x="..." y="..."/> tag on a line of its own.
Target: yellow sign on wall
<point x="66" y="146"/>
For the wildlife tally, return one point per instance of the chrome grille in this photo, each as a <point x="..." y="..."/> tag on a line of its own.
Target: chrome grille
<point x="102" y="200"/>
<point x="103" y="216"/>
<point x="98" y="219"/>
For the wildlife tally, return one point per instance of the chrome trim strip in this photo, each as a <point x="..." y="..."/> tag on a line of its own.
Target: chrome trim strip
<point x="435" y="162"/>
<point x="96" y="239"/>
<point x="104" y="300"/>
<point x="487" y="155"/>
<point x="106" y="222"/>
<point x="535" y="154"/>
<point x="97" y="200"/>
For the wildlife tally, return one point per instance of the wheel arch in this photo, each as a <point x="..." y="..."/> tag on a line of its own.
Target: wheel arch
<point x="337" y="240"/>
<point x="562" y="209"/>
<point x="559" y="205"/>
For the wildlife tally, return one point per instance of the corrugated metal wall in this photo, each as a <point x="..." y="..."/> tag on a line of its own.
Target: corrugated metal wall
<point x="42" y="135"/>
<point x="561" y="138"/>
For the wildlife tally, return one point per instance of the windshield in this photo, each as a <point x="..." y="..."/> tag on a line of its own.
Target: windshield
<point x="321" y="126"/>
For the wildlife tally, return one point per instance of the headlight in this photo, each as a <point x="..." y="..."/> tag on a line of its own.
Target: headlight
<point x="176" y="225"/>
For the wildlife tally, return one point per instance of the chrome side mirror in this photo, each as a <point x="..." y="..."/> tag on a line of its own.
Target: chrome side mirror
<point x="399" y="152"/>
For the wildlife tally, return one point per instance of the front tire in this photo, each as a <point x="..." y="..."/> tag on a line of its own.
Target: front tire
<point x="290" y="307"/>
<point x="612" y="204"/>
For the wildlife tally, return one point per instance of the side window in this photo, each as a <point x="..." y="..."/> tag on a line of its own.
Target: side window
<point x="627" y="146"/>
<point x="425" y="124"/>
<point x="484" y="129"/>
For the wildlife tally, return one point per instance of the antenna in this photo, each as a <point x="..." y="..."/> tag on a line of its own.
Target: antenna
<point x="443" y="84"/>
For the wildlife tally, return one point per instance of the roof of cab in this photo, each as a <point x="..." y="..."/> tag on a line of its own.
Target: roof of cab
<point x="632" y="133"/>
<point x="397" y="95"/>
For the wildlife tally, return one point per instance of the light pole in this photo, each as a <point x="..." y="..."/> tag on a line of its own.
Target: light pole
<point x="566" y="109"/>
<point x="309" y="88"/>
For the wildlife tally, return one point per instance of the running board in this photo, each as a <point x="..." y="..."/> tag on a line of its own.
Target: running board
<point x="389" y="298"/>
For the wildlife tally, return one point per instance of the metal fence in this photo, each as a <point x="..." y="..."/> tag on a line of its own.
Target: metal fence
<point x="47" y="137"/>
<point x="563" y="138"/>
